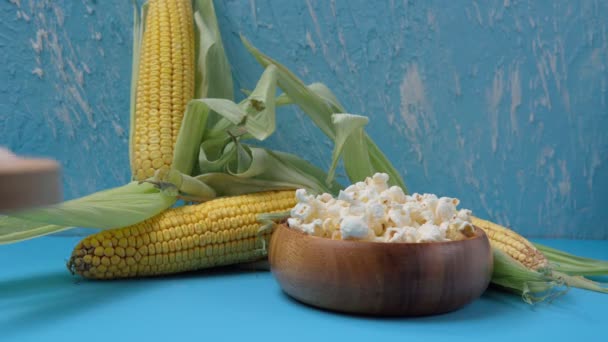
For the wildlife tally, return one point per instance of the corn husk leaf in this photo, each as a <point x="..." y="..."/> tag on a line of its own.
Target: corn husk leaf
<point x="107" y="209"/>
<point x="571" y="264"/>
<point x="229" y="185"/>
<point x="214" y="155"/>
<point x="533" y="286"/>
<point x="192" y="129"/>
<point x="260" y="106"/>
<point x="320" y="110"/>
<point x="349" y="128"/>
<point x="182" y="186"/>
<point x="253" y="117"/>
<point x="266" y="165"/>
<point x="536" y="286"/>
<point x="13" y="229"/>
<point x="269" y="170"/>
<point x="214" y="75"/>
<point x="581" y="282"/>
<point x="244" y="162"/>
<point x="322" y="91"/>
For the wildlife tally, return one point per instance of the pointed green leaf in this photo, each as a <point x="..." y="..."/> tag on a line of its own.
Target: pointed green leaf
<point x="269" y="166"/>
<point x="213" y="77"/>
<point x="215" y="154"/>
<point x="189" y="138"/>
<point x="225" y="108"/>
<point x="260" y="106"/>
<point x="15" y="230"/>
<point x="322" y="91"/>
<point x="243" y="159"/>
<point x="117" y="207"/>
<point x="571" y="264"/>
<point x="229" y="185"/>
<point x="347" y="126"/>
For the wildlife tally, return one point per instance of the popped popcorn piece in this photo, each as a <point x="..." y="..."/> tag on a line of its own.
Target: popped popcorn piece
<point x="429" y="202"/>
<point x="313" y="227"/>
<point x="464" y="215"/>
<point x="357" y="209"/>
<point x="444" y="226"/>
<point x="294" y="222"/>
<point x="346" y="196"/>
<point x="396" y="194"/>
<point x="366" y="195"/>
<point x="467" y="229"/>
<point x="376" y="213"/>
<point x="429" y="232"/>
<point x="380" y="179"/>
<point x="398" y="216"/>
<point x="361" y="185"/>
<point x="326" y="198"/>
<point x="302" y="211"/>
<point x="445" y="209"/>
<point x="302" y="196"/>
<point x="405" y="234"/>
<point x="353" y="227"/>
<point x="330" y="225"/>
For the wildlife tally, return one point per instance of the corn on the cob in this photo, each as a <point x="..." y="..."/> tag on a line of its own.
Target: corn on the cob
<point x="165" y="84"/>
<point x="513" y="244"/>
<point x="219" y="232"/>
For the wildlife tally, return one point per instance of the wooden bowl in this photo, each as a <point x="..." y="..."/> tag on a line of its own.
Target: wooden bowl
<point x="376" y="278"/>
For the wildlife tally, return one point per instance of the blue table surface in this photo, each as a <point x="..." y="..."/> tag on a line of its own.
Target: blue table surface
<point x="41" y="301"/>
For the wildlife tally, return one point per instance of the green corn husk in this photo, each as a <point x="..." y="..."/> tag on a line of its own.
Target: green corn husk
<point x="571" y="264"/>
<point x="535" y="286"/>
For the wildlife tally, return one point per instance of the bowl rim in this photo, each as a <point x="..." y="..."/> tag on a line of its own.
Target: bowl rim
<point x="479" y="234"/>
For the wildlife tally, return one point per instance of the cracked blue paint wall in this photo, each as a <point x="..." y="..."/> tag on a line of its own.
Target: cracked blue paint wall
<point x="500" y="103"/>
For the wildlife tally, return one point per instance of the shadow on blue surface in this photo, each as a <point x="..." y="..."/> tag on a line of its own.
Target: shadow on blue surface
<point x="44" y="298"/>
<point x="37" y="300"/>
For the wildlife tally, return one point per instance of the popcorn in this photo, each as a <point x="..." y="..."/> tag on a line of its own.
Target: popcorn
<point x="346" y="196"/>
<point x="312" y="228"/>
<point x="301" y="211"/>
<point x="445" y="209"/>
<point x="353" y="227"/>
<point x="429" y="232"/>
<point x="399" y="216"/>
<point x="326" y="198"/>
<point x="464" y="215"/>
<point x="373" y="211"/>
<point x="405" y="234"/>
<point x="396" y="194"/>
<point x="302" y="196"/>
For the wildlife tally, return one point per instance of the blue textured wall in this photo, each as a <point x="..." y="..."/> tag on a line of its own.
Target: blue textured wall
<point x="501" y="103"/>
